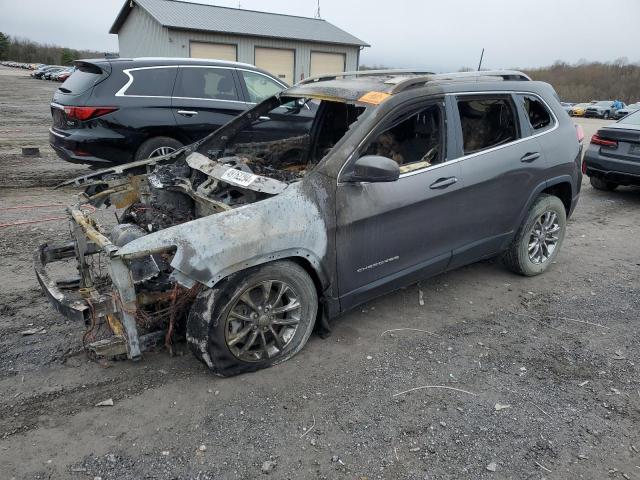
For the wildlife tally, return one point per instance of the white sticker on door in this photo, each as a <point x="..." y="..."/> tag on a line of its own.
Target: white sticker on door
<point x="238" y="177"/>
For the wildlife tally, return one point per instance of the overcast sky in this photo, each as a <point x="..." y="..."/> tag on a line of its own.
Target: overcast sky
<point x="439" y="35"/>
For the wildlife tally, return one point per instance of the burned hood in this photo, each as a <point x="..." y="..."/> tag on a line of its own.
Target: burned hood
<point x="211" y="248"/>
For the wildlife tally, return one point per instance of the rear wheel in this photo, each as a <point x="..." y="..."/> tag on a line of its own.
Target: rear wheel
<point x="253" y="319"/>
<point x="539" y="238"/>
<point x="157" y="147"/>
<point x="600" y="184"/>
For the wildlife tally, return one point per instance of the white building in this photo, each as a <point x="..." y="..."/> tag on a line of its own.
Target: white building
<point x="289" y="47"/>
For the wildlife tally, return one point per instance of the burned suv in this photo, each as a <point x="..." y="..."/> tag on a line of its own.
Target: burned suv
<point x="243" y="244"/>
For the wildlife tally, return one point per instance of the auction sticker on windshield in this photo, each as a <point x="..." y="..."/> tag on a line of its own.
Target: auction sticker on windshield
<point x="238" y="177"/>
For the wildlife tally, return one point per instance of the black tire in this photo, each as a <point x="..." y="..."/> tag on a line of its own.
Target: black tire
<point x="517" y="258"/>
<point x="209" y="322"/>
<point x="600" y="184"/>
<point x="151" y="146"/>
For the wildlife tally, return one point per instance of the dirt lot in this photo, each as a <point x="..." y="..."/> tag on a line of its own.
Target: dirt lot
<point x="547" y="368"/>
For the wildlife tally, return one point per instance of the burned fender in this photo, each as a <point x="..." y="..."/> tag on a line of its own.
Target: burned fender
<point x="210" y="248"/>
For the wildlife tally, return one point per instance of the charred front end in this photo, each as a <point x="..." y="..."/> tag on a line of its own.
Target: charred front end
<point x="134" y="300"/>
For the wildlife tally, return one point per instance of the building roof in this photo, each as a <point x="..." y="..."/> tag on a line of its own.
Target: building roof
<point x="210" y="18"/>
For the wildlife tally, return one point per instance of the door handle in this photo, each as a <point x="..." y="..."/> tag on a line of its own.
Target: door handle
<point x="443" y="183"/>
<point x="264" y="118"/>
<point x="187" y="113"/>
<point x="530" y="157"/>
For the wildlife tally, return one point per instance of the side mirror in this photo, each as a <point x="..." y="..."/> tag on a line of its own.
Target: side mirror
<point x="374" y="168"/>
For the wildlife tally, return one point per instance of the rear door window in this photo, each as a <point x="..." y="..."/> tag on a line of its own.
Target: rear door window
<point x="206" y="83"/>
<point x="537" y="114"/>
<point x="487" y="122"/>
<point x="82" y="79"/>
<point x="259" y="86"/>
<point x="152" y="82"/>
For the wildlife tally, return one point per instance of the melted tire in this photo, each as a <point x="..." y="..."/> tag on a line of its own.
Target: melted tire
<point x="517" y="257"/>
<point x="207" y="318"/>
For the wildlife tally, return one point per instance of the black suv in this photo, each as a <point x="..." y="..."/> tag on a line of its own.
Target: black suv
<point x="246" y="245"/>
<point x="114" y="111"/>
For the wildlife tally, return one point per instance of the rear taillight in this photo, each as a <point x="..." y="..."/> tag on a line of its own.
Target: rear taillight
<point x="598" y="140"/>
<point x="584" y="167"/>
<point x="87" y="113"/>
<point x="579" y="133"/>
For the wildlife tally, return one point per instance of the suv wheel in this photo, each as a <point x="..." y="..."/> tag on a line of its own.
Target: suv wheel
<point x="253" y="319"/>
<point x="156" y="147"/>
<point x="539" y="238"/>
<point x="600" y="184"/>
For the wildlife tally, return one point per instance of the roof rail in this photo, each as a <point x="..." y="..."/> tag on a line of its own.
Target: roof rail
<point x="402" y="84"/>
<point x="363" y="73"/>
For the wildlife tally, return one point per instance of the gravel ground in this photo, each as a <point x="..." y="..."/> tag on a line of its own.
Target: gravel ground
<point x="541" y="373"/>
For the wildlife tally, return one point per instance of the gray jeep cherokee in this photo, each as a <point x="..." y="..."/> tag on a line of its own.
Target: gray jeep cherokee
<point x="243" y="243"/>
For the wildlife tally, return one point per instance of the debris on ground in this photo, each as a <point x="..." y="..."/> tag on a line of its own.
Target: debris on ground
<point x="33" y="331"/>
<point x="268" y="466"/>
<point x="105" y="403"/>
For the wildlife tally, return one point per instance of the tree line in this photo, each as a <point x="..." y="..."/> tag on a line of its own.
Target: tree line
<point x="27" y="51"/>
<point x="586" y="81"/>
<point x="583" y="81"/>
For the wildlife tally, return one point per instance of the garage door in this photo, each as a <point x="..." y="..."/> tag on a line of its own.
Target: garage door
<point x="214" y="51"/>
<point x="277" y="61"/>
<point x="322" y="63"/>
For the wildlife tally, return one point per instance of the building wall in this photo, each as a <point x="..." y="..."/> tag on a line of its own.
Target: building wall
<point x="142" y="36"/>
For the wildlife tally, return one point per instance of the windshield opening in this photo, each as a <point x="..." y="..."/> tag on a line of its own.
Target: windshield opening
<point x="284" y="137"/>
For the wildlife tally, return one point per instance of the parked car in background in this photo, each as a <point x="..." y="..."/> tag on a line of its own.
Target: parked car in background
<point x="623" y="112"/>
<point x="62" y="75"/>
<point x="567" y="106"/>
<point x="49" y="75"/>
<point x="578" y="109"/>
<point x="613" y="156"/>
<point x="119" y="110"/>
<point x="43" y="70"/>
<point x="602" y="109"/>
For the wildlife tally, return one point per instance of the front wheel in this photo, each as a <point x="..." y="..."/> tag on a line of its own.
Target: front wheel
<point x="539" y="238"/>
<point x="253" y="319"/>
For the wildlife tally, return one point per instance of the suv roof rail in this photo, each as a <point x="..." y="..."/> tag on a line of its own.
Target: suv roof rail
<point x="401" y="84"/>
<point x="407" y="78"/>
<point x="364" y="73"/>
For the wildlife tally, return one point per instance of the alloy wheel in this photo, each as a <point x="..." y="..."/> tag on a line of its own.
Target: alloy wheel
<point x="262" y="321"/>
<point x="544" y="238"/>
<point x="160" y="151"/>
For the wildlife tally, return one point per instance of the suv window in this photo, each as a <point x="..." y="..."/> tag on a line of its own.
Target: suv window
<point x="82" y="79"/>
<point x="152" y="82"/>
<point x="259" y="86"/>
<point x="414" y="142"/>
<point x="538" y="115"/>
<point x="207" y="83"/>
<point x="487" y="122"/>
